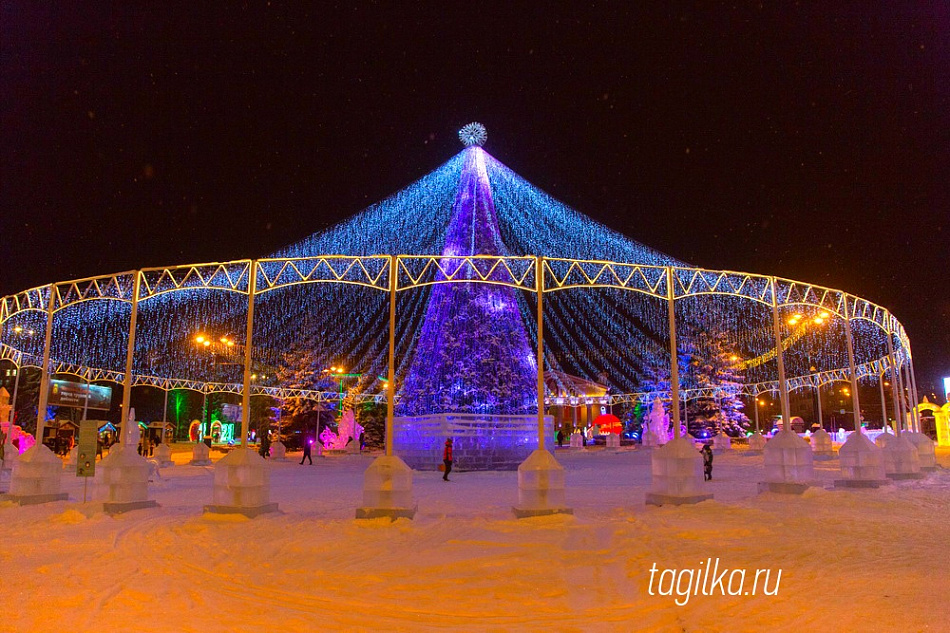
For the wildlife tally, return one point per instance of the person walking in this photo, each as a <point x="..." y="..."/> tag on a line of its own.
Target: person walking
<point x="447" y="459"/>
<point x="264" y="447"/>
<point x="707" y="462"/>
<point x="306" y="451"/>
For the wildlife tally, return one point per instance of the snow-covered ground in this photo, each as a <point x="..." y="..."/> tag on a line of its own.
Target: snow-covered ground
<point x="874" y="560"/>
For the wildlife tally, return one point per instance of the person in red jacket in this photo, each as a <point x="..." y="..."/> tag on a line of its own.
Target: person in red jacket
<point x="447" y="459"/>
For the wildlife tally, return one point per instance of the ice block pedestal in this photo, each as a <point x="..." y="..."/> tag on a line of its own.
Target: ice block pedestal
<point x="756" y="443"/>
<point x="10" y="457"/>
<point x="540" y="486"/>
<point x="677" y="469"/>
<point x="278" y="452"/>
<point x="650" y="439"/>
<point x="925" y="450"/>
<point x="821" y="445"/>
<point x="721" y="443"/>
<point x="613" y="440"/>
<point x="36" y="477"/>
<point x="122" y="481"/>
<point x="201" y="455"/>
<point x="387" y="490"/>
<point x="789" y="464"/>
<point x="862" y="463"/>
<point x="241" y="485"/>
<point x="901" y="460"/>
<point x="163" y="455"/>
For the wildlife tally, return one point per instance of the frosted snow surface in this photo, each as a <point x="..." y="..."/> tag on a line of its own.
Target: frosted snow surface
<point x="864" y="560"/>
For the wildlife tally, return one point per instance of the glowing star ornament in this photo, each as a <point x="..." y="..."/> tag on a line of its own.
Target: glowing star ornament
<point x="473" y="134"/>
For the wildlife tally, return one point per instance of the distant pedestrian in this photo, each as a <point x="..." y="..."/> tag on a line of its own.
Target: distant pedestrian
<point x="306" y="451"/>
<point x="560" y="438"/>
<point x="264" y="448"/>
<point x="707" y="462"/>
<point x="447" y="459"/>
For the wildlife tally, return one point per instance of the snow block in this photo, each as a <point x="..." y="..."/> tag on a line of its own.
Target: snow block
<point x="73" y="458"/>
<point x="650" y="439"/>
<point x="721" y="443"/>
<point x="387" y="490"/>
<point x="10" y="457"/>
<point x="756" y="442"/>
<point x="163" y="455"/>
<point x="241" y="485"/>
<point x="540" y="486"/>
<point x="36" y="477"/>
<point x="862" y="463"/>
<point x="901" y="460"/>
<point x="677" y="470"/>
<point x="576" y="441"/>
<point x="788" y="460"/>
<point x="122" y="481"/>
<point x="821" y="445"/>
<point x="884" y="439"/>
<point x="613" y="440"/>
<point x="925" y="449"/>
<point x="278" y="452"/>
<point x="201" y="455"/>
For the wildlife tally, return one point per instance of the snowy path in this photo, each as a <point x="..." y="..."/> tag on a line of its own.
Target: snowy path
<point x="866" y="560"/>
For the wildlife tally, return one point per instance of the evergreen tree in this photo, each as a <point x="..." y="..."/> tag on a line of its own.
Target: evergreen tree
<point x="705" y="361"/>
<point x="713" y="367"/>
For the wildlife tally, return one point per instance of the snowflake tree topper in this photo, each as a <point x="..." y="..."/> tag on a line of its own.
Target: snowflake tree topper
<point x="473" y="134"/>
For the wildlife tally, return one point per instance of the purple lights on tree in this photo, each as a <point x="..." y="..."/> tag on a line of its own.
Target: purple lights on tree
<point x="473" y="354"/>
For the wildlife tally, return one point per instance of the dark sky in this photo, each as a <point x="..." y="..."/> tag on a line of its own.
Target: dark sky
<point x="810" y="143"/>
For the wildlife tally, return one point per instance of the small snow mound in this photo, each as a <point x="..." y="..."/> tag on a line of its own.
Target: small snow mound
<point x="69" y="517"/>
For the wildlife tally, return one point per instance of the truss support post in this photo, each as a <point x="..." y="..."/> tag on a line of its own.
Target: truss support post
<point x="241" y="478"/>
<point x="821" y="421"/>
<point x="880" y="384"/>
<point x="895" y="386"/>
<point x="540" y="477"/>
<point x="674" y="363"/>
<point x="387" y="482"/>
<point x="862" y="461"/>
<point x="676" y="467"/>
<point x="129" y="354"/>
<point x="539" y="288"/>
<point x="391" y="384"/>
<point x="122" y="477"/>
<point x="44" y="375"/>
<point x="248" y="345"/>
<point x="849" y="338"/>
<point x="165" y="411"/>
<point x="780" y="359"/>
<point x="789" y="461"/>
<point x="908" y="396"/>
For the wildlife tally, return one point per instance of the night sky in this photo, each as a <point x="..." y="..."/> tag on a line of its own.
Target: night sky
<point x="809" y="143"/>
